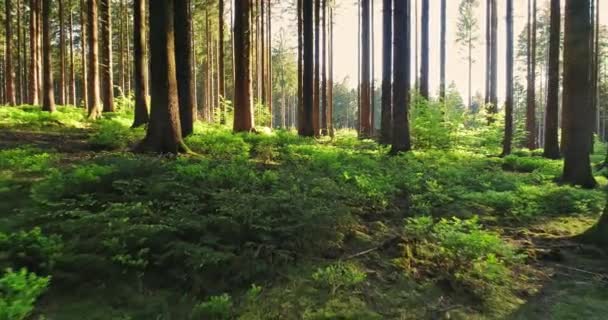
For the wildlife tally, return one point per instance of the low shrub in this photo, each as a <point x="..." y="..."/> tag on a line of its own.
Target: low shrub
<point x="19" y="291"/>
<point x="30" y="249"/>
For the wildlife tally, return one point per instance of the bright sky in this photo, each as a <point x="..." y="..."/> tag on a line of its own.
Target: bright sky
<point x="345" y="49"/>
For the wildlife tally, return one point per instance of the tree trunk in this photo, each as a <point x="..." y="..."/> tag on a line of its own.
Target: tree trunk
<point x="366" y="115"/>
<point x="83" y="53"/>
<point x="442" y="54"/>
<point x="531" y="88"/>
<point x="19" y="98"/>
<point x="424" y="54"/>
<point x="141" y="63"/>
<point x="243" y="108"/>
<point x="72" y="70"/>
<point x="221" y="58"/>
<point x="121" y="48"/>
<point x="33" y="78"/>
<point x="401" y="89"/>
<point x="184" y="64"/>
<point x="494" y="58"/>
<point x="598" y="234"/>
<point x="9" y="71"/>
<point x="577" y="109"/>
<point x="164" y="133"/>
<point x="317" y="69"/>
<point x="94" y="98"/>
<point x="508" y="137"/>
<point x="306" y="127"/>
<point x="107" y="75"/>
<point x="551" y="150"/>
<point x="61" y="89"/>
<point x="300" y="108"/>
<point x="324" y="70"/>
<point x="48" y="97"/>
<point x="387" y="72"/>
<point x="488" y="50"/>
<point x="330" y="108"/>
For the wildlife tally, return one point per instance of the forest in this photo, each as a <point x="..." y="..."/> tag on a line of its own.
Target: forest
<point x="303" y="159"/>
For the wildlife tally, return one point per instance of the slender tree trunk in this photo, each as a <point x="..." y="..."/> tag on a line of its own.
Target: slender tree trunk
<point x="330" y="108"/>
<point x="508" y="137"/>
<point x="300" y="110"/>
<point x="83" y="53"/>
<point x="366" y="112"/>
<point x="19" y="97"/>
<point x="107" y="75"/>
<point x="121" y="49"/>
<point x="128" y="49"/>
<point x="494" y="58"/>
<point x="184" y="64"/>
<point x="269" y="59"/>
<point x="551" y="118"/>
<point x="531" y="141"/>
<point x="221" y="58"/>
<point x="48" y="97"/>
<point x="401" y="89"/>
<point x="243" y="108"/>
<point x="72" y="68"/>
<point x="62" y="81"/>
<point x="164" y="133"/>
<point x="317" y="76"/>
<point x="94" y="98"/>
<point x="306" y="128"/>
<point x="141" y="63"/>
<point x="442" y="54"/>
<point x="424" y="54"/>
<point x="488" y="75"/>
<point x="387" y="72"/>
<point x="577" y="109"/>
<point x="9" y="71"/>
<point x="33" y="78"/>
<point x="324" y="69"/>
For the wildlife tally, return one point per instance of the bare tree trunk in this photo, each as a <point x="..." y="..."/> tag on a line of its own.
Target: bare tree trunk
<point x="306" y="127"/>
<point x="141" y="63"/>
<point x="387" y="72"/>
<point x="107" y="81"/>
<point x="494" y="58"/>
<point x="83" y="52"/>
<point x="317" y="72"/>
<point x="531" y="142"/>
<point x="94" y="98"/>
<point x="221" y="70"/>
<point x="324" y="69"/>
<point x="551" y="118"/>
<point x="33" y="79"/>
<point x="300" y="109"/>
<point x="330" y="108"/>
<point x="424" y="55"/>
<point x="48" y="98"/>
<point x="442" y="54"/>
<point x="72" y="70"/>
<point x="62" y="80"/>
<point x="508" y="137"/>
<point x="164" y="131"/>
<point x="121" y="48"/>
<point x="577" y="109"/>
<point x="19" y="94"/>
<point x="243" y="108"/>
<point x="184" y="65"/>
<point x="366" y="112"/>
<point x="401" y="89"/>
<point x="9" y="70"/>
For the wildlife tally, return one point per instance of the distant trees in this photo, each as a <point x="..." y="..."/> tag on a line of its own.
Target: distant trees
<point x="577" y="125"/>
<point x="467" y="36"/>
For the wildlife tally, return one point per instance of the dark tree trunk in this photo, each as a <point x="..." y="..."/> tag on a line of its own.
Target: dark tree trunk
<point x="83" y="53"/>
<point x="598" y="234"/>
<point x="300" y="111"/>
<point x="424" y="54"/>
<point x="121" y="48"/>
<point x="33" y="78"/>
<point x="141" y="63"/>
<point x="243" y="108"/>
<point x="488" y="49"/>
<point x="317" y="69"/>
<point x="324" y="71"/>
<point x="366" y="112"/>
<point x="72" y="70"/>
<point x="48" y="96"/>
<point x="531" y="79"/>
<point x="494" y="58"/>
<point x="577" y="108"/>
<point x="164" y="133"/>
<point x="9" y="71"/>
<point x="508" y="137"/>
<point x="330" y="93"/>
<point x="61" y="89"/>
<point x="551" y="118"/>
<point x="94" y="98"/>
<point x="107" y="75"/>
<point x="442" y="54"/>
<point x="401" y="89"/>
<point x="306" y="127"/>
<point x="184" y="64"/>
<point x="220" y="67"/>
<point x="387" y="72"/>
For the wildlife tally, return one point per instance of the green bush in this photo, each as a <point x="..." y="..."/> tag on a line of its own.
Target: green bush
<point x="29" y="249"/>
<point x="19" y="292"/>
<point x="220" y="146"/>
<point x="112" y="133"/>
<point x="339" y="276"/>
<point x="26" y="159"/>
<point x="215" y="308"/>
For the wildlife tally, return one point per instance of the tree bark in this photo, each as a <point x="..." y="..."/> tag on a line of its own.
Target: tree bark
<point x="508" y="137"/>
<point x="401" y="89"/>
<point x="184" y="64"/>
<point x="164" y="133"/>
<point x="9" y="71"/>
<point x="324" y="69"/>
<point x="317" y="69"/>
<point x="94" y="98"/>
<point x="424" y="54"/>
<point x="577" y="108"/>
<point x="72" y="70"/>
<point x="243" y="108"/>
<point x="366" y="112"/>
<point x="531" y="142"/>
<point x="83" y="52"/>
<point x="330" y="107"/>
<point x="107" y="75"/>
<point x="551" y="150"/>
<point x="141" y="63"/>
<point x="494" y="58"/>
<point x="306" y="127"/>
<point x="61" y="86"/>
<point x="33" y="69"/>
<point x="220" y="68"/>
<point x="387" y="72"/>
<point x="442" y="54"/>
<point x="48" y="97"/>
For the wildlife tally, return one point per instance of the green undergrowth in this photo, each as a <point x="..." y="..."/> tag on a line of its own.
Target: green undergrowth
<point x="260" y="226"/>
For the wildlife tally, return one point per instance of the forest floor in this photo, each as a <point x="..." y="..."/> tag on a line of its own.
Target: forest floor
<point x="273" y="226"/>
